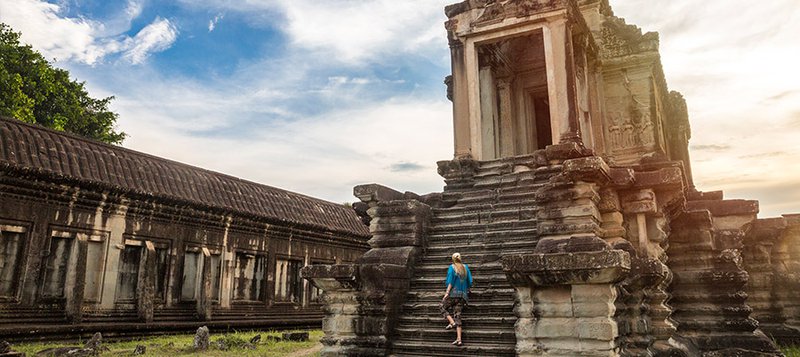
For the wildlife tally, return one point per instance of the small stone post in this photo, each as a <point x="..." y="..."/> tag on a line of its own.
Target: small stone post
<point x="566" y="302"/>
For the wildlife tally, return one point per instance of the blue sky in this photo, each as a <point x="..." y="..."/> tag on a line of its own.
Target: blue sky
<point x="318" y="96"/>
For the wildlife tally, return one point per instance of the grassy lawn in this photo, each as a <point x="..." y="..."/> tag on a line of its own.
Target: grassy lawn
<point x="180" y="345"/>
<point x="791" y="351"/>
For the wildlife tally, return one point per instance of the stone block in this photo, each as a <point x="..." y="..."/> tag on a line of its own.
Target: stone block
<point x="295" y="336"/>
<point x="339" y="324"/>
<point x="570" y="268"/>
<point x="556" y="327"/>
<point x="725" y="207"/>
<point x="552" y="302"/>
<point x="374" y="193"/>
<point x="394" y="255"/>
<point x="604" y="330"/>
<point x="594" y="293"/>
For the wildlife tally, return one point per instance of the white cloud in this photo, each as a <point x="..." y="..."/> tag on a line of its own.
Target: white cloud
<point x="212" y="24"/>
<point x="56" y="37"/>
<point x="83" y="40"/>
<point x="155" y="37"/>
<point x="323" y="156"/>
<point x="351" y="31"/>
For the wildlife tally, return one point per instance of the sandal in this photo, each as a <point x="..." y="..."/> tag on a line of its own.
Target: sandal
<point x="457" y="342"/>
<point x="449" y="327"/>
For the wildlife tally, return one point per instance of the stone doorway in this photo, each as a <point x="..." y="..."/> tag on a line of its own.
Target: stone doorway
<point x="515" y="110"/>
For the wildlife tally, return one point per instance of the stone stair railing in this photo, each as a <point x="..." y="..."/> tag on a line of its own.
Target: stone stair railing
<point x="362" y="300"/>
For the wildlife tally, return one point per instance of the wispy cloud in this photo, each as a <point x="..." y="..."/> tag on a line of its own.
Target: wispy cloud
<point x="712" y="147"/>
<point x="212" y="24"/>
<point x="155" y="37"/>
<point x="405" y="166"/>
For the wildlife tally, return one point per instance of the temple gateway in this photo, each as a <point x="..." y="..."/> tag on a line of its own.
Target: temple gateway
<point x="570" y="196"/>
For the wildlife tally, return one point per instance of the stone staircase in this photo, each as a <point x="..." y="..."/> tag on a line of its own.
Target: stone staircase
<point x="493" y="215"/>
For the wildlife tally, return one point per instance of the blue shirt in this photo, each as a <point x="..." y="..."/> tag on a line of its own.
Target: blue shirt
<point x="460" y="286"/>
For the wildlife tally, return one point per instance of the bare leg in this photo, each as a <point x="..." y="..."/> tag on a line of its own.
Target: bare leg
<point x="450" y="319"/>
<point x="458" y="333"/>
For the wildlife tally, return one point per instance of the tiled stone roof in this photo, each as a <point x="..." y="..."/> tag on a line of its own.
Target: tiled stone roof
<point x="36" y="149"/>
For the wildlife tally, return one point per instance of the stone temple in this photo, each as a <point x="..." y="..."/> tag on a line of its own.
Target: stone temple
<point x="570" y="196"/>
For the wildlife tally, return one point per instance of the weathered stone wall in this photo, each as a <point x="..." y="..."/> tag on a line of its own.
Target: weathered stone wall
<point x="87" y="235"/>
<point x="771" y="259"/>
<point x="711" y="305"/>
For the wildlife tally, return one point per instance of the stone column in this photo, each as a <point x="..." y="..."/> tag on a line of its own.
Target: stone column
<point x="566" y="301"/>
<point x="561" y="81"/>
<point x="76" y="281"/>
<point x="204" y="308"/>
<point x="461" y="125"/>
<point x="145" y="286"/>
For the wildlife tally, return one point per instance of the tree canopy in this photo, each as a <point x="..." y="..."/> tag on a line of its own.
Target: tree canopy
<point x="34" y="91"/>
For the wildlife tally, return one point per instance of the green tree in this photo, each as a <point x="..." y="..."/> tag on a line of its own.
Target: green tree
<point x="33" y="91"/>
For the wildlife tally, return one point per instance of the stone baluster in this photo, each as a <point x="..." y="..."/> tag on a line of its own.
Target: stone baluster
<point x="362" y="300"/>
<point x="566" y="301"/>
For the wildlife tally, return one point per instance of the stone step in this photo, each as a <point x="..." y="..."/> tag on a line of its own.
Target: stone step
<point x="478" y="333"/>
<point x="477" y="247"/>
<point x="486" y="216"/>
<point x="475" y="308"/>
<point x="522" y="196"/>
<point x="468" y="320"/>
<point x="475" y="257"/>
<point x="469" y="237"/>
<point x="475" y="298"/>
<point x="422" y="347"/>
<point x="475" y="227"/>
<point x="437" y="268"/>
<point x="438" y="278"/>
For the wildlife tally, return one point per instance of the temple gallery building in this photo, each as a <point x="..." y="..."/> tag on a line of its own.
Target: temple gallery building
<point x="95" y="237"/>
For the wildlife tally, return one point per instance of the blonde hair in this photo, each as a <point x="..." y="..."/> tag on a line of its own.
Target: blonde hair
<point x="460" y="270"/>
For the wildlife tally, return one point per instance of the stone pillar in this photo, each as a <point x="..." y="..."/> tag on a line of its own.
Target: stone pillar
<point x="145" y="287"/>
<point x="76" y="281"/>
<point x="561" y="81"/>
<point x="566" y="301"/>
<point x="362" y="301"/>
<point x="461" y="116"/>
<point x="204" y="297"/>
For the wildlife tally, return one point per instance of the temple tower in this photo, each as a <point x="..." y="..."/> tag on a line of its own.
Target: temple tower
<point x="569" y="196"/>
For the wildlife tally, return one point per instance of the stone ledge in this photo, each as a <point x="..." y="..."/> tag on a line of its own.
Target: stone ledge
<point x="567" y="268"/>
<point x="354" y="276"/>
<point x="373" y="193"/>
<point x="725" y="207"/>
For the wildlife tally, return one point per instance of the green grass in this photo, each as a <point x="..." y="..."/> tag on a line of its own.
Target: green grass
<point x="791" y="351"/>
<point x="180" y="345"/>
